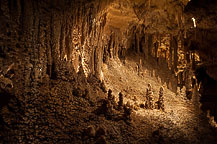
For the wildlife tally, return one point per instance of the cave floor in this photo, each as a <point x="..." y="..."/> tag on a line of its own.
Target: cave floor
<point x="58" y="112"/>
<point x="181" y="122"/>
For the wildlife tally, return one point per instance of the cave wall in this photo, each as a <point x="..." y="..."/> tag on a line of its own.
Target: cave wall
<point x="38" y="35"/>
<point x="48" y="39"/>
<point x="53" y="39"/>
<point x="42" y="34"/>
<point x="202" y="39"/>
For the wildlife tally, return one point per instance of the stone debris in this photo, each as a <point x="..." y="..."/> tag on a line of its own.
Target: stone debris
<point x="100" y="131"/>
<point x="136" y="106"/>
<point x="6" y="70"/>
<point x="101" y="140"/>
<point x="6" y="83"/>
<point x="90" y="131"/>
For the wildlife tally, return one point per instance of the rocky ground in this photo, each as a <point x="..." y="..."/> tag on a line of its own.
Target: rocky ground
<point x="181" y="122"/>
<point x="64" y="110"/>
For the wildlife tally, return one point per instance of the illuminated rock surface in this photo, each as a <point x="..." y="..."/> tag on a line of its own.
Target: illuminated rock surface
<point x="58" y="59"/>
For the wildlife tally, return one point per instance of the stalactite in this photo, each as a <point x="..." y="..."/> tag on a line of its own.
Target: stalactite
<point x="171" y="52"/>
<point x="49" y="58"/>
<point x="42" y="51"/>
<point x="146" y="46"/>
<point x="165" y="55"/>
<point x="67" y="53"/>
<point x="35" y="38"/>
<point x="150" y="44"/>
<point x="175" y="44"/>
<point x="137" y="43"/>
<point x="97" y="61"/>
<point x="116" y="47"/>
<point x="142" y="44"/>
<point x="181" y="79"/>
<point x="62" y="43"/>
<point x="156" y="45"/>
<point x="70" y="42"/>
<point x="111" y="47"/>
<point x="51" y="51"/>
<point x="193" y="61"/>
<point x="91" y="63"/>
<point x="160" y="39"/>
<point x="48" y="50"/>
<point x="149" y="3"/>
<point x="187" y="57"/>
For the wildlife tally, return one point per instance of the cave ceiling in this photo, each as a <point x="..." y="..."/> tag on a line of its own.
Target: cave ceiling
<point x="165" y="16"/>
<point x="195" y="20"/>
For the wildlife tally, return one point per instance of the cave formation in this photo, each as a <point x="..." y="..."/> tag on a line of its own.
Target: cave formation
<point x="108" y="71"/>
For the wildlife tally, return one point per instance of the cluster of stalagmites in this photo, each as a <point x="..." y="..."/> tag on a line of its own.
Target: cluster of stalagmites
<point x="113" y="110"/>
<point x="149" y="103"/>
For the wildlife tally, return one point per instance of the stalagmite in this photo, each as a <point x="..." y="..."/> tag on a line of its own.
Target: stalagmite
<point x="127" y="113"/>
<point x="120" y="102"/>
<point x="58" y="58"/>
<point x="149" y="98"/>
<point x="111" y="98"/>
<point x="160" y="102"/>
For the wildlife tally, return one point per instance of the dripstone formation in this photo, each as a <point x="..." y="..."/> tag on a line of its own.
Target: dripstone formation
<point x="160" y="102"/>
<point x="58" y="57"/>
<point x="149" y="98"/>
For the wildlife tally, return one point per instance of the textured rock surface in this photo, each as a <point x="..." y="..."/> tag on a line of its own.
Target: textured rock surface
<point x="53" y="56"/>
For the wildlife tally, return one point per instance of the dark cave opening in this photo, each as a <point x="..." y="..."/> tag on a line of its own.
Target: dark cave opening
<point x="208" y="91"/>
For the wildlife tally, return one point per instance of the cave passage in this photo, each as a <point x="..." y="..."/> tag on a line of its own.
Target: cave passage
<point x="108" y="71"/>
